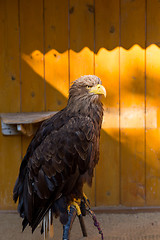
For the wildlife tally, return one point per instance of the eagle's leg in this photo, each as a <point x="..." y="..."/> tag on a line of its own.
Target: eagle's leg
<point x="79" y="204"/>
<point x="68" y="226"/>
<point x="76" y="207"/>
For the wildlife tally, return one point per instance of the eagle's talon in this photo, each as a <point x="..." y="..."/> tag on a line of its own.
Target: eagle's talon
<point x="76" y="205"/>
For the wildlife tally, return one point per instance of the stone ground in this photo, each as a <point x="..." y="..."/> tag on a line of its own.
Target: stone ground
<point x="138" y="226"/>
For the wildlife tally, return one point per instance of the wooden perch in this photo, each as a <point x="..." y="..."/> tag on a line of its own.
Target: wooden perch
<point x="22" y="123"/>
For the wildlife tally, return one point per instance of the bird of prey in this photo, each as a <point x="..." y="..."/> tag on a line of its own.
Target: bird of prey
<point x="62" y="155"/>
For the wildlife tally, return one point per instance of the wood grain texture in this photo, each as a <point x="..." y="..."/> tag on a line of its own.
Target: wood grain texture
<point x="81" y="38"/>
<point x="132" y="95"/>
<point x="82" y="50"/>
<point x="56" y="54"/>
<point x="152" y="102"/>
<point x="107" y="68"/>
<point x="32" y="45"/>
<point x="9" y="57"/>
<point x="32" y="49"/>
<point x="10" y="147"/>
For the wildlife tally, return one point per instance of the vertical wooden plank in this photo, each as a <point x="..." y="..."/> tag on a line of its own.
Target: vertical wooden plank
<point x="152" y="104"/>
<point x="10" y="146"/>
<point x="82" y="49"/>
<point x="107" y="68"/>
<point x="56" y="54"/>
<point x="9" y="57"/>
<point x="132" y="101"/>
<point x="81" y="38"/>
<point x="32" y="48"/>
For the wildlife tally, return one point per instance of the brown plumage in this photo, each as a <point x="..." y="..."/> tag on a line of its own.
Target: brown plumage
<point x="62" y="155"/>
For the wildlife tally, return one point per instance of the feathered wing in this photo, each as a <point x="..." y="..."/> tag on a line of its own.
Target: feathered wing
<point x="58" y="157"/>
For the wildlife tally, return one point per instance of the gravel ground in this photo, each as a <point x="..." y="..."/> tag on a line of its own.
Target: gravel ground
<point x="139" y="226"/>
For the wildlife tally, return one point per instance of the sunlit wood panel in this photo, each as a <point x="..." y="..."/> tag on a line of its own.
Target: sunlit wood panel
<point x="81" y="38"/>
<point x="10" y="146"/>
<point x="81" y="24"/>
<point x="107" y="68"/>
<point x="56" y="54"/>
<point x="153" y="102"/>
<point x="132" y="95"/>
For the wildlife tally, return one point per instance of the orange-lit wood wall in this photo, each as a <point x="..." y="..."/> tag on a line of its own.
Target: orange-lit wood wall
<point x="46" y="44"/>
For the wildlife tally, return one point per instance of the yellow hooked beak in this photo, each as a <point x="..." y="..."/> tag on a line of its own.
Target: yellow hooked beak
<point x="98" y="89"/>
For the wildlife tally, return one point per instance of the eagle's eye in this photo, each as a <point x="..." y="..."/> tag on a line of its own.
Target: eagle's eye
<point x="88" y="87"/>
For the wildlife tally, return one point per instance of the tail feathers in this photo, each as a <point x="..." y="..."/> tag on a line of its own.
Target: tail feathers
<point x="59" y="207"/>
<point x="32" y="216"/>
<point x="37" y="219"/>
<point x="24" y="224"/>
<point x="18" y="188"/>
<point x="18" y="193"/>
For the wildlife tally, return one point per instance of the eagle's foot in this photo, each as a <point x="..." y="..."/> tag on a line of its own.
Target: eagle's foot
<point x="80" y="205"/>
<point x="76" y="205"/>
<point x="75" y="208"/>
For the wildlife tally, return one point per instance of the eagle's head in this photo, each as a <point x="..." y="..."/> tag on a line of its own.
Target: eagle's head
<point x="85" y="95"/>
<point x="86" y="87"/>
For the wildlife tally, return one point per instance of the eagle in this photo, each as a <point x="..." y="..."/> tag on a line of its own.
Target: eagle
<point x="62" y="155"/>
